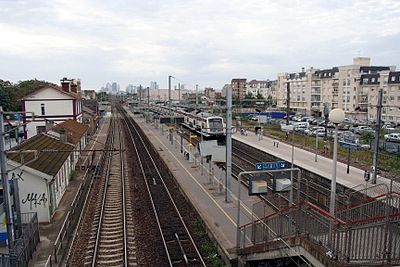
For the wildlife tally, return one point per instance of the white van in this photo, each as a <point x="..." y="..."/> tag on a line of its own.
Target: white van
<point x="302" y="124"/>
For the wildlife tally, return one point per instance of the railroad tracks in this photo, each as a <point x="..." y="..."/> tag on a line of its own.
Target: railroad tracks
<point x="106" y="237"/>
<point x="178" y="247"/>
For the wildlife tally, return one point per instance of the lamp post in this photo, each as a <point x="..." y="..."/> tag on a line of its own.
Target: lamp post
<point x="336" y="116"/>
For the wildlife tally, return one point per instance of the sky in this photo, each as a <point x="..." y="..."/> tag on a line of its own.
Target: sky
<point x="205" y="42"/>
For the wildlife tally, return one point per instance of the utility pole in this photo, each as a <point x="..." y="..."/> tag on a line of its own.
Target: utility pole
<point x="140" y="94"/>
<point x="326" y="114"/>
<point x="197" y="102"/>
<point x="288" y="102"/>
<point x="228" y="145"/>
<point x="4" y="179"/>
<point x="377" y="135"/>
<point x="148" y="103"/>
<point x="179" y="93"/>
<point x="169" y="94"/>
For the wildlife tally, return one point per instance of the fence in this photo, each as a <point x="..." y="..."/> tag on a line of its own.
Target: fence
<point x="347" y="242"/>
<point x="71" y="219"/>
<point x="25" y="246"/>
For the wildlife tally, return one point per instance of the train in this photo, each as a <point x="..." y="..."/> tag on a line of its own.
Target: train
<point x="202" y="122"/>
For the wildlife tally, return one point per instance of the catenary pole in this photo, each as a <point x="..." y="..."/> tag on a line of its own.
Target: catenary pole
<point x="228" y="144"/>
<point x="377" y="135"/>
<point x="4" y="179"/>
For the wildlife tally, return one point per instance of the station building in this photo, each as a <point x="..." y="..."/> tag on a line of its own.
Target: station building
<point x="52" y="103"/>
<point x="44" y="165"/>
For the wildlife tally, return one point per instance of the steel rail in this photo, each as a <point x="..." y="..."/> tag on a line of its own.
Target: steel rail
<point x="133" y="127"/>
<point x="122" y="160"/>
<point x="116" y="127"/>
<point x="98" y="234"/>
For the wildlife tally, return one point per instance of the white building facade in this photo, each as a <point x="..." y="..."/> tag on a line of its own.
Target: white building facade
<point x="50" y="103"/>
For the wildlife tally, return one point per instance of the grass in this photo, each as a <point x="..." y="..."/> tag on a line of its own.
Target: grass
<point x="208" y="247"/>
<point x="386" y="162"/>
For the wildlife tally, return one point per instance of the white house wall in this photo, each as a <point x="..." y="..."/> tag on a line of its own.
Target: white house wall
<point x="33" y="194"/>
<point x="58" y="107"/>
<point x="34" y="190"/>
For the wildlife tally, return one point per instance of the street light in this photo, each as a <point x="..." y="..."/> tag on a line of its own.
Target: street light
<point x="336" y="116"/>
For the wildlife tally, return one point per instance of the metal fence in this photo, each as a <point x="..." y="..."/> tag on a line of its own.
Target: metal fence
<point x="25" y="246"/>
<point x="71" y="220"/>
<point x="346" y="242"/>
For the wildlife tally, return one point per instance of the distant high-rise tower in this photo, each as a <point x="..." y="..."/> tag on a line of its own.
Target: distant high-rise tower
<point x="154" y="85"/>
<point x="115" y="87"/>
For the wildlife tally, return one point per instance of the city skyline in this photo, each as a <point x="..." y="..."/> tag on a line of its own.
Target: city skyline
<point x="203" y="43"/>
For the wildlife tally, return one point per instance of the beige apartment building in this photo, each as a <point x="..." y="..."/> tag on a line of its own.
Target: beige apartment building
<point x="266" y="88"/>
<point x="352" y="88"/>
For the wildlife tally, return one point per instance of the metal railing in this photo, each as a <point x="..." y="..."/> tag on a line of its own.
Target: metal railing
<point x="25" y="246"/>
<point x="71" y="219"/>
<point x="49" y="262"/>
<point x="346" y="242"/>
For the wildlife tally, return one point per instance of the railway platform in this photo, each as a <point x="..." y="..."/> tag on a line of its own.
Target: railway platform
<point x="306" y="160"/>
<point x="205" y="190"/>
<point x="49" y="232"/>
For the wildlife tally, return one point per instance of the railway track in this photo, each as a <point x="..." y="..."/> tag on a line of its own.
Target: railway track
<point x="245" y="158"/>
<point x="178" y="247"/>
<point x="106" y="236"/>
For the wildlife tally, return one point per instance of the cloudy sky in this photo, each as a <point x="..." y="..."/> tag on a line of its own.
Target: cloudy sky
<point x="207" y="42"/>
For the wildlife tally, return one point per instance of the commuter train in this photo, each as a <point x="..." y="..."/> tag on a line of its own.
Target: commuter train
<point x="202" y="122"/>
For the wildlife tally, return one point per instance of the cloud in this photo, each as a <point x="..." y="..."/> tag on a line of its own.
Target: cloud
<point x="200" y="41"/>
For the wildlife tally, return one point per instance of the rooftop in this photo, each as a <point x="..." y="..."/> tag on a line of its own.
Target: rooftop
<point x="49" y="161"/>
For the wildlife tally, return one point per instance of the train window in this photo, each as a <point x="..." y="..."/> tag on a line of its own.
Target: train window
<point x="215" y="125"/>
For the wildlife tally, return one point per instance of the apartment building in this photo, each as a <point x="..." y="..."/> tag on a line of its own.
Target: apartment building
<point x="370" y="84"/>
<point x="209" y="93"/>
<point x="238" y="88"/>
<point x="352" y="88"/>
<point x="265" y="88"/>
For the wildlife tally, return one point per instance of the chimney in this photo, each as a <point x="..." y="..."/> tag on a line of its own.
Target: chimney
<point x="49" y="124"/>
<point x="63" y="135"/>
<point x="66" y="85"/>
<point x="74" y="87"/>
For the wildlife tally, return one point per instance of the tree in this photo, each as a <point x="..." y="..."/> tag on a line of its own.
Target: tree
<point x="367" y="137"/>
<point x="260" y="96"/>
<point x="269" y="101"/>
<point x="11" y="94"/>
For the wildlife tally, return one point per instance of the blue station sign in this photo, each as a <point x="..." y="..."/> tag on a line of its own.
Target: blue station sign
<point x="266" y="166"/>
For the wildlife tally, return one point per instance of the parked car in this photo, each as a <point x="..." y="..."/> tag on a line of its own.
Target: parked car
<point x="344" y="126"/>
<point x="393" y="137"/>
<point x="287" y="128"/>
<point x="389" y="128"/>
<point x="320" y="132"/>
<point x="301" y="128"/>
<point x="310" y="130"/>
<point x="363" y="129"/>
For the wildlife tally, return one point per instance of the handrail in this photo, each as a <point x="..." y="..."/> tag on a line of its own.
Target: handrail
<point x="374" y="219"/>
<point x="294" y="206"/>
<point x="365" y="200"/>
<point x="48" y="262"/>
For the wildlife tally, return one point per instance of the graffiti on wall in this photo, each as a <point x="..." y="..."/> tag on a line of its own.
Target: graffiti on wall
<point x="15" y="176"/>
<point x="35" y="199"/>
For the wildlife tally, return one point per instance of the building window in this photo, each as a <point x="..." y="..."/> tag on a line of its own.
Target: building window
<point x="42" y="109"/>
<point x="40" y="129"/>
<point x="393" y="78"/>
